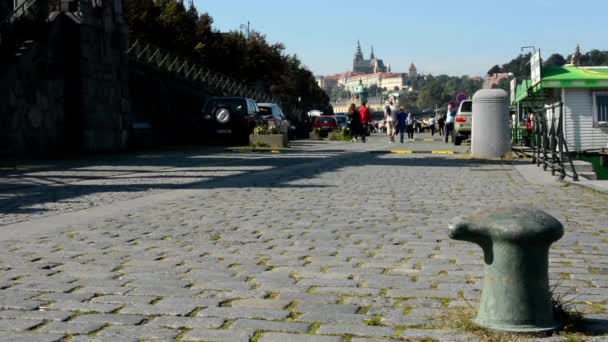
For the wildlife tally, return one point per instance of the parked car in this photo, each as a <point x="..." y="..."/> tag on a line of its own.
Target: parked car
<point x="462" y="125"/>
<point x="233" y="117"/>
<point x="342" y="120"/>
<point x="325" y="124"/>
<point x="273" y="115"/>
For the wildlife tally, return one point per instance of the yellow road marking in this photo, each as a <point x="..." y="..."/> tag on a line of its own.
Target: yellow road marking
<point x="402" y="151"/>
<point x="429" y="139"/>
<point x="443" y="152"/>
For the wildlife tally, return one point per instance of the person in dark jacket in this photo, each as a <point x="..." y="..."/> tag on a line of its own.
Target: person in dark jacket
<point x="401" y="123"/>
<point x="355" y="122"/>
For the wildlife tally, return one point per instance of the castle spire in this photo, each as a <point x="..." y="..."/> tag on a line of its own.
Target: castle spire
<point x="372" y="54"/>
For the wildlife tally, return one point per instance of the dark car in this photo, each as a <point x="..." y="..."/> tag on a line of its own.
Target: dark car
<point x="325" y="124"/>
<point x="233" y="117"/>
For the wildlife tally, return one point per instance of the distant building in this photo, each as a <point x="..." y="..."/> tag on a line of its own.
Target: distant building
<point x="413" y="72"/>
<point x="367" y="66"/>
<point x="383" y="80"/>
<point x="492" y="81"/>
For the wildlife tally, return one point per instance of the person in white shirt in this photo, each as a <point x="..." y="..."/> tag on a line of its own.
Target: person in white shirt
<point x="390" y="117"/>
<point x="432" y="125"/>
<point x="449" y="123"/>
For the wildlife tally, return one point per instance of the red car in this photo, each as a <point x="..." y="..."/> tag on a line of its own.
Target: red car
<point x="325" y="124"/>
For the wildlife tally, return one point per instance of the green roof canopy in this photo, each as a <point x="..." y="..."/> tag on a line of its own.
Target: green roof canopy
<point x="565" y="77"/>
<point x="521" y="92"/>
<point x="575" y="77"/>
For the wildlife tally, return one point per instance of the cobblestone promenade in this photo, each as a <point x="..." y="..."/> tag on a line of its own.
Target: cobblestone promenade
<point x="325" y="242"/>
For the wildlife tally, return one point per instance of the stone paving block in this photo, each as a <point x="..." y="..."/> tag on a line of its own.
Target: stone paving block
<point x="439" y="335"/>
<point x="36" y="315"/>
<point x="18" y="304"/>
<point x="71" y="327"/>
<point x="331" y="317"/>
<point x="29" y="337"/>
<point x="262" y="325"/>
<point x="328" y="308"/>
<point x="117" y="299"/>
<point x="114" y="319"/>
<point x="186" y="322"/>
<point x="309" y="298"/>
<point x="183" y="301"/>
<point x="283" y="337"/>
<point x="83" y="307"/>
<point x="107" y="290"/>
<point x="355" y="329"/>
<point x="18" y="324"/>
<point x="217" y="335"/>
<point x="49" y="286"/>
<point x="233" y="313"/>
<point x="157" y="309"/>
<point x="119" y="333"/>
<point x="63" y="297"/>
<point x="276" y="304"/>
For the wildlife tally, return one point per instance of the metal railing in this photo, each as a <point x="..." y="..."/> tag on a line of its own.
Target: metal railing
<point x="548" y="144"/>
<point x="166" y="61"/>
<point x="18" y="11"/>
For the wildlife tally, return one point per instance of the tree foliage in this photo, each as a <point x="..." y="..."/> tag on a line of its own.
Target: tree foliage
<point x="266" y="66"/>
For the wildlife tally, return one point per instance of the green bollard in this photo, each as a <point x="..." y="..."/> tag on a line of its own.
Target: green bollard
<point x="516" y="297"/>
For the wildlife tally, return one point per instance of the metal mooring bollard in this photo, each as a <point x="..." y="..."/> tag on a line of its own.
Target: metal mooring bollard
<point x="516" y="297"/>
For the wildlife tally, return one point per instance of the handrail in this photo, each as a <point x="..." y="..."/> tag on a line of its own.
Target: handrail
<point x="549" y="146"/>
<point x="18" y="11"/>
<point x="164" y="60"/>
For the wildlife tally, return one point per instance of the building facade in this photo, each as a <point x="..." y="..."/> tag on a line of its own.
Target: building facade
<point x="367" y="66"/>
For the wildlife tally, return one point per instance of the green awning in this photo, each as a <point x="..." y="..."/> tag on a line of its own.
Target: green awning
<point x="575" y="77"/>
<point x="521" y="92"/>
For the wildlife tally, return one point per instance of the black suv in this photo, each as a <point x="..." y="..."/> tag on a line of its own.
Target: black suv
<point x="230" y="116"/>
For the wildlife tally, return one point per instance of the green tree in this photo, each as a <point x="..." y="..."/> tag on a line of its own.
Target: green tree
<point x="554" y="60"/>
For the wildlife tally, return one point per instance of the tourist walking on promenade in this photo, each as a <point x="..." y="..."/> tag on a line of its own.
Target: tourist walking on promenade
<point x="390" y="117"/>
<point x="449" y="123"/>
<point x="410" y="122"/>
<point x="355" y="122"/>
<point x="401" y="123"/>
<point x="365" y="118"/>
<point x="432" y="125"/>
<point x="440" y="125"/>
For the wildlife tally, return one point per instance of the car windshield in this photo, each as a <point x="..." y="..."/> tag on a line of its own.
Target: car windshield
<point x="234" y="105"/>
<point x="341" y="119"/>
<point x="467" y="106"/>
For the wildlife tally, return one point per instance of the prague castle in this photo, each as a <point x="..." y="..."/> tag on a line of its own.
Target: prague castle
<point x="367" y="66"/>
<point x="370" y="72"/>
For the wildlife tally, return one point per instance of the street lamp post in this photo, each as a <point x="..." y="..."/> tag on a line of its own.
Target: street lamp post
<point x="246" y="28"/>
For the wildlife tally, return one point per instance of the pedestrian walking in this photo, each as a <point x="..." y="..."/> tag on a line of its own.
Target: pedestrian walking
<point x="390" y="117"/>
<point x="432" y="125"/>
<point x="529" y="127"/>
<point x="365" y="118"/>
<point x="401" y="123"/>
<point x="440" y="125"/>
<point x="449" y="123"/>
<point x="410" y="122"/>
<point x="355" y="122"/>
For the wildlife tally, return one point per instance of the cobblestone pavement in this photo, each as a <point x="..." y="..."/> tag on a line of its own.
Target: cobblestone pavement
<point x="324" y="243"/>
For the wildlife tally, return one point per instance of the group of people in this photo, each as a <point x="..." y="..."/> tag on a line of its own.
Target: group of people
<point x="398" y="122"/>
<point x="359" y="121"/>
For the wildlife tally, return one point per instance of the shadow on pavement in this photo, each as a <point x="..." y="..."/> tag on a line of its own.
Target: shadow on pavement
<point x="26" y="192"/>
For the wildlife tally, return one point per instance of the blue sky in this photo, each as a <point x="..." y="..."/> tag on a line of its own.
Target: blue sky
<point x="439" y="36"/>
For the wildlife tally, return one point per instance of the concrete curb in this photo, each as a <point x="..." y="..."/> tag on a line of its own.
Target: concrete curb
<point x="414" y="152"/>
